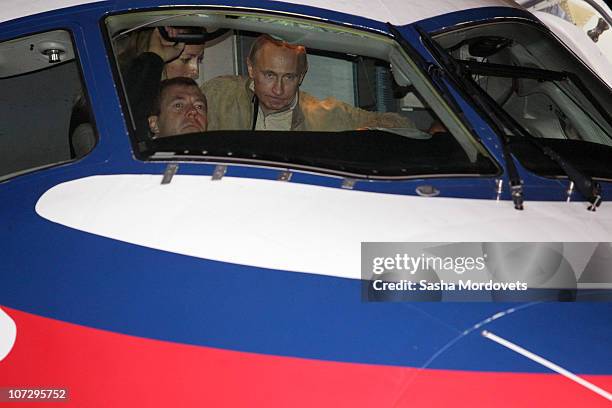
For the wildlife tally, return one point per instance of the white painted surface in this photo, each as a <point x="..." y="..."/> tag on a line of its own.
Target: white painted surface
<point x="12" y="9"/>
<point x="296" y="227"/>
<point x="577" y="41"/>
<point x="8" y="334"/>
<point x="402" y="12"/>
<point x="395" y="11"/>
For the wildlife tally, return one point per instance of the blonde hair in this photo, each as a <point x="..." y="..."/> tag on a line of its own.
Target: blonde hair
<point x="138" y="42"/>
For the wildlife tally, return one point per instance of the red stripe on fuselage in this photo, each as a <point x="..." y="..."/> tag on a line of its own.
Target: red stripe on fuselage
<point x="105" y="369"/>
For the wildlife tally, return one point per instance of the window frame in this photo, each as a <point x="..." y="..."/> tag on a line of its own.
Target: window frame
<point x="84" y="90"/>
<point x="546" y="168"/>
<point x="458" y="118"/>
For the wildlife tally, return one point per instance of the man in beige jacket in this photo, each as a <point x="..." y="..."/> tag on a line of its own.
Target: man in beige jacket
<point x="270" y="99"/>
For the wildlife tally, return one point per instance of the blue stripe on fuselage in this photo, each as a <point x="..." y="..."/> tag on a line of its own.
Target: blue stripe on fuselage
<point x="103" y="283"/>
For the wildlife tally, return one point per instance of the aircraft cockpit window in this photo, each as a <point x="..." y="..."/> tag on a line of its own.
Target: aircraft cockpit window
<point x="280" y="91"/>
<point x="555" y="100"/>
<point x="40" y="80"/>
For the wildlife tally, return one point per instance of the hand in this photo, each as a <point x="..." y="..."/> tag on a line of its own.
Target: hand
<point x="168" y="51"/>
<point x="437" y="127"/>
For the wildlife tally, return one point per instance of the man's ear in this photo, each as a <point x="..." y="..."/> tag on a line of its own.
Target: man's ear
<point x="250" y="68"/>
<point x="153" y="126"/>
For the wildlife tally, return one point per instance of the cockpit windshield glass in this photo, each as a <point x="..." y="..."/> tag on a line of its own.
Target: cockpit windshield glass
<point x="544" y="88"/>
<point x="281" y="91"/>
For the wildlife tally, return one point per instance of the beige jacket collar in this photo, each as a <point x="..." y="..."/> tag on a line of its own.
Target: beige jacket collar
<point x="297" y="119"/>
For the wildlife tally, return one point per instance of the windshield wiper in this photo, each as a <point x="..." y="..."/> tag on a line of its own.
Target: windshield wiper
<point x="538" y="74"/>
<point x="462" y="80"/>
<point x="461" y="74"/>
<point x="511" y="71"/>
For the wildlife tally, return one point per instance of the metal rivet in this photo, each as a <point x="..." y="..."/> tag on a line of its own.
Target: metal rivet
<point x="284" y="176"/>
<point x="54" y="55"/>
<point x="570" y="191"/>
<point x="499" y="189"/>
<point x="427" y="191"/>
<point x="219" y="172"/>
<point x="348" y="183"/>
<point x="170" y="171"/>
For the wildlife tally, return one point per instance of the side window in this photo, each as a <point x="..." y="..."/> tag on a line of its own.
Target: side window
<point x="553" y="99"/>
<point x="41" y="95"/>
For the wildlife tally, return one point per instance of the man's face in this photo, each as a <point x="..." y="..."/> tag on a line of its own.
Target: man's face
<point x="276" y="76"/>
<point x="183" y="110"/>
